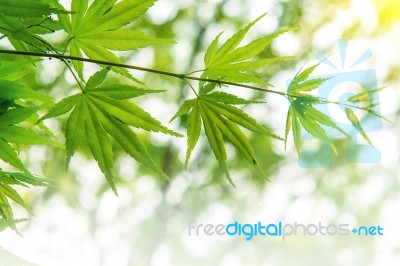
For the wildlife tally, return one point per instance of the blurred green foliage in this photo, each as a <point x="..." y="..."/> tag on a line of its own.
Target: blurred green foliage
<point x="190" y="195"/>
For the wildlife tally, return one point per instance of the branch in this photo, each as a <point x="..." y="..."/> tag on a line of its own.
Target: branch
<point x="149" y="70"/>
<point x="167" y="73"/>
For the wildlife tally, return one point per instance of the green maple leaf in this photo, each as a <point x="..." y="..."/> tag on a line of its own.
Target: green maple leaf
<point x="28" y="8"/>
<point x="101" y="113"/>
<point x="19" y="36"/>
<point x="304" y="113"/>
<point x="216" y="113"/>
<point x="231" y="63"/>
<point x="13" y="69"/>
<point x="22" y="21"/>
<point x="356" y="124"/>
<point x="12" y="113"/>
<point x="17" y="128"/>
<point x="7" y="192"/>
<point x="96" y="30"/>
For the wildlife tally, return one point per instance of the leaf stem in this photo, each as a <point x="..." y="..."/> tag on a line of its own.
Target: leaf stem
<point x="191" y="87"/>
<point x="73" y="73"/>
<point x="194" y="72"/>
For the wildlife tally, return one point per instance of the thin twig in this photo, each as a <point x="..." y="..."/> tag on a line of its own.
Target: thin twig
<point x="150" y="70"/>
<point x="184" y="77"/>
<point x="191" y="87"/>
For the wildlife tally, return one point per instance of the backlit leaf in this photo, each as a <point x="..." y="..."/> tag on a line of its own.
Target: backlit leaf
<point x="27" y="8"/>
<point x="215" y="111"/>
<point x="356" y="123"/>
<point x="102" y="113"/>
<point x="96" y="30"/>
<point x="232" y="63"/>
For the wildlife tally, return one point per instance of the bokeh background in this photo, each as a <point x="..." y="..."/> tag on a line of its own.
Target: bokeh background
<point x="78" y="220"/>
